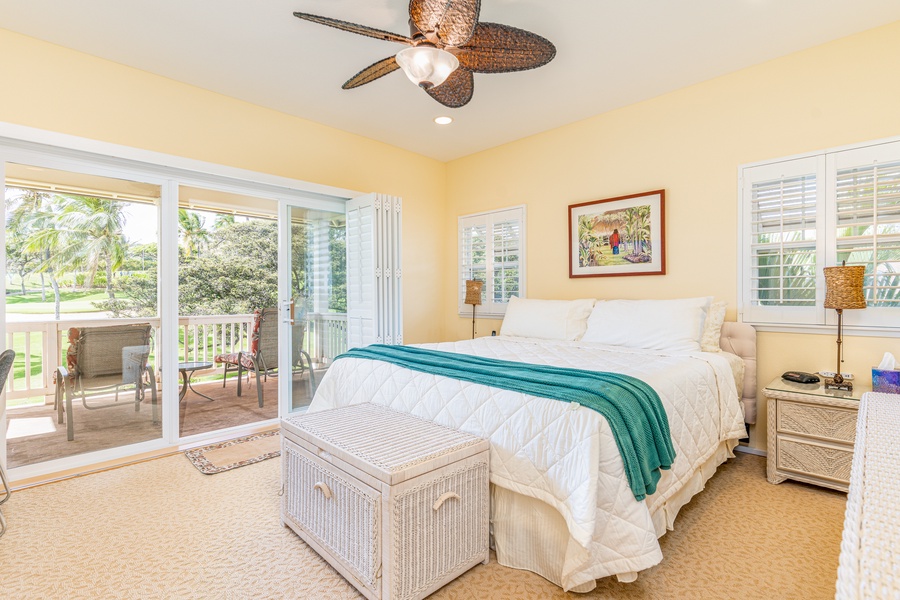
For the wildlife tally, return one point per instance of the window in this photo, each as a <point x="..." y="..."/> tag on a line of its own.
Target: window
<point x="801" y="215"/>
<point x="492" y="250"/>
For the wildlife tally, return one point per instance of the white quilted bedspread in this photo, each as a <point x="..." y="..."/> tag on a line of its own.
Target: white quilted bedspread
<point x="561" y="453"/>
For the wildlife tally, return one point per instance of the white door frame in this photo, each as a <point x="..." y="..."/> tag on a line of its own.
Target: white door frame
<point x="284" y="287"/>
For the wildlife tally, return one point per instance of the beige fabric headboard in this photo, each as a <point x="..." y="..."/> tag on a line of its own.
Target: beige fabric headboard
<point x="740" y="339"/>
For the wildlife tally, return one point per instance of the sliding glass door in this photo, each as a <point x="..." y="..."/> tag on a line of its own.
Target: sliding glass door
<point x="82" y="312"/>
<point x="313" y="284"/>
<point x="227" y="310"/>
<point x="155" y="305"/>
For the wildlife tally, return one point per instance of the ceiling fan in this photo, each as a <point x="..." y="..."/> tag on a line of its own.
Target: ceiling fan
<point x="447" y="45"/>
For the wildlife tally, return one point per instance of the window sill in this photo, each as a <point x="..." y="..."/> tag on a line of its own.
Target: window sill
<point x="851" y="330"/>
<point x="478" y="315"/>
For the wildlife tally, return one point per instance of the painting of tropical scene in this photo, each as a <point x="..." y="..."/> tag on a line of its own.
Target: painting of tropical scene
<point x="615" y="237"/>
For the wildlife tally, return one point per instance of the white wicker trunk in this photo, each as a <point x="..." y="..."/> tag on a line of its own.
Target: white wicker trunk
<point x="398" y="505"/>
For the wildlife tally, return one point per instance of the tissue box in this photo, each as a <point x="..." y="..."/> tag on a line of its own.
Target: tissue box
<point x="886" y="380"/>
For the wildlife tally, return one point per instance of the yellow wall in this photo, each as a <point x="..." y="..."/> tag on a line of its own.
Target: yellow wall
<point x="689" y="142"/>
<point x="53" y="88"/>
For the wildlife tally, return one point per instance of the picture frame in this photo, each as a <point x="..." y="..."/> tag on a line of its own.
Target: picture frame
<point x="618" y="236"/>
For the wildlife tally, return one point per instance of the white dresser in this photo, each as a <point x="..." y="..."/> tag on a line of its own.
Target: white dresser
<point x="397" y="504"/>
<point x="870" y="548"/>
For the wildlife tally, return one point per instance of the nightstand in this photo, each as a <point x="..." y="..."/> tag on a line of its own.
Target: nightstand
<point x="811" y="432"/>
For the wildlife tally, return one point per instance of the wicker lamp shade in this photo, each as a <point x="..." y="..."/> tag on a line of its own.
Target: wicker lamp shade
<point x="844" y="287"/>
<point x="473" y="292"/>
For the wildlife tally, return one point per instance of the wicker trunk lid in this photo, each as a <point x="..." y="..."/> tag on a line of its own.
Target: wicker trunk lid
<point x="356" y="435"/>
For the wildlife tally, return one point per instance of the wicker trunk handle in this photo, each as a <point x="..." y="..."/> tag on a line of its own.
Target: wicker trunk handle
<point x="324" y="489"/>
<point x="440" y="501"/>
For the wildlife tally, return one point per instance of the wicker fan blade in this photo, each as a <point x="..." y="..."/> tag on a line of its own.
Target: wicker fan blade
<point x="355" y="28"/>
<point x="453" y="20"/>
<point x="372" y="72"/>
<point x="456" y="91"/>
<point x="496" y="48"/>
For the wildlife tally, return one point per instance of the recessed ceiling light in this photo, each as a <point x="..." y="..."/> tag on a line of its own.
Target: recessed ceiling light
<point x="443" y="120"/>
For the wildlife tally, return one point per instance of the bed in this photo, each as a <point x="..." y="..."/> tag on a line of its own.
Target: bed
<point x="561" y="503"/>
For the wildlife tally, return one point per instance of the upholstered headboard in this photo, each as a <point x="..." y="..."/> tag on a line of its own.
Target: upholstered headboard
<point x="740" y="339"/>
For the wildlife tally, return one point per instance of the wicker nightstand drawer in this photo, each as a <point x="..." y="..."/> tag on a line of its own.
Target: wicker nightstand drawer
<point x="826" y="422"/>
<point x="817" y="459"/>
<point x="811" y="431"/>
<point x="398" y="505"/>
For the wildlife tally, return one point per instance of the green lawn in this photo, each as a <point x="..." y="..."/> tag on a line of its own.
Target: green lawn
<point x="18" y="370"/>
<point x="70" y="302"/>
<point x="608" y="259"/>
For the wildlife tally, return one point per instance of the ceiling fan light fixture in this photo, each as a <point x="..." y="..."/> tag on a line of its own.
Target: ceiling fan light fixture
<point x="443" y="120"/>
<point x="427" y="66"/>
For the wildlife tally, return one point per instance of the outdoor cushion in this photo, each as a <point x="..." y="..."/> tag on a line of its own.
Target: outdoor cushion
<point x="232" y="359"/>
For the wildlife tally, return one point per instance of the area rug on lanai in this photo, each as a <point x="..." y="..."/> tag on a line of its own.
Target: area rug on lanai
<point x="235" y="453"/>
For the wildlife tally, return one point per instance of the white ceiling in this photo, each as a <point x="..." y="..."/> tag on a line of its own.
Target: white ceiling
<point x="609" y="54"/>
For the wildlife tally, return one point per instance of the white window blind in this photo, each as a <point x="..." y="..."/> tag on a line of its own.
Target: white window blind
<point x="784" y="241"/>
<point x="492" y="250"/>
<point x="801" y="215"/>
<point x="868" y="227"/>
<point x="782" y="214"/>
<point x="374" y="293"/>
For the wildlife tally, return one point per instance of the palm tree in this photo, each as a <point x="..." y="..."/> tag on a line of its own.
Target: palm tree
<point x="95" y="226"/>
<point x="222" y="220"/>
<point x="43" y="237"/>
<point x="586" y="241"/>
<point x="642" y="227"/>
<point x="22" y="205"/>
<point x="192" y="233"/>
<point x="630" y="229"/>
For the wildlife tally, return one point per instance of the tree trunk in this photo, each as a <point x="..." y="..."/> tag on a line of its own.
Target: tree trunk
<point x="43" y="289"/>
<point x="56" y="296"/>
<point x="22" y="275"/>
<point x="109" y="276"/>
<point x="91" y="274"/>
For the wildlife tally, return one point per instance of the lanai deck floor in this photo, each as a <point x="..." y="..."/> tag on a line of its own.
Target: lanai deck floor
<point x="34" y="435"/>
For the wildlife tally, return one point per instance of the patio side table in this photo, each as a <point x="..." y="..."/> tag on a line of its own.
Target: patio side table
<point x="187" y="370"/>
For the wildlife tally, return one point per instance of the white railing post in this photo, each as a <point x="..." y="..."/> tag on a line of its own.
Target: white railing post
<point x="53" y="351"/>
<point x="53" y="341"/>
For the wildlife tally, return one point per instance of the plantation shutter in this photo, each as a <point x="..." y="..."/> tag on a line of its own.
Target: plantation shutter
<point x="374" y="306"/>
<point x="491" y="249"/>
<point x="783" y="214"/>
<point x="867" y="225"/>
<point x="801" y="215"/>
<point x="506" y="246"/>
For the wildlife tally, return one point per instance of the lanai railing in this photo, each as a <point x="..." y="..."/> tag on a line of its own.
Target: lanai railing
<point x="200" y="339"/>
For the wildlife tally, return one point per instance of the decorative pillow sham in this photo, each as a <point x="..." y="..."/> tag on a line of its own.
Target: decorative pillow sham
<point x="712" y="329"/>
<point x="667" y="325"/>
<point x="546" y="319"/>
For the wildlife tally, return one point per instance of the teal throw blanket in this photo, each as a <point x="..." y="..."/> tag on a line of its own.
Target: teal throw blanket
<point x="632" y="408"/>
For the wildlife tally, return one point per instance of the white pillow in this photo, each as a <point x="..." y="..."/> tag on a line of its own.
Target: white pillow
<point x="546" y="319"/>
<point x="667" y="325"/>
<point x="712" y="329"/>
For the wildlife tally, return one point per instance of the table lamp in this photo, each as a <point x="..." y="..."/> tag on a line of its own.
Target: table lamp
<point x="843" y="290"/>
<point x="473" y="297"/>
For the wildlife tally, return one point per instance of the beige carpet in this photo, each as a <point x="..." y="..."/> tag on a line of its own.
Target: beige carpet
<point x="161" y="529"/>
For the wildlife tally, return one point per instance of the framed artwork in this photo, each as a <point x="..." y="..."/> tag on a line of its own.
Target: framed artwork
<point x="618" y="236"/>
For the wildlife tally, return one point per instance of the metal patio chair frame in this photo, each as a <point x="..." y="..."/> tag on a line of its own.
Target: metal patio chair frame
<point x="106" y="359"/>
<point x="264" y="361"/>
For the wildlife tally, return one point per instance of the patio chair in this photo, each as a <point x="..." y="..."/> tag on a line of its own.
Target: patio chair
<point x="262" y="358"/>
<point x="104" y="361"/>
<point x="6" y="361"/>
